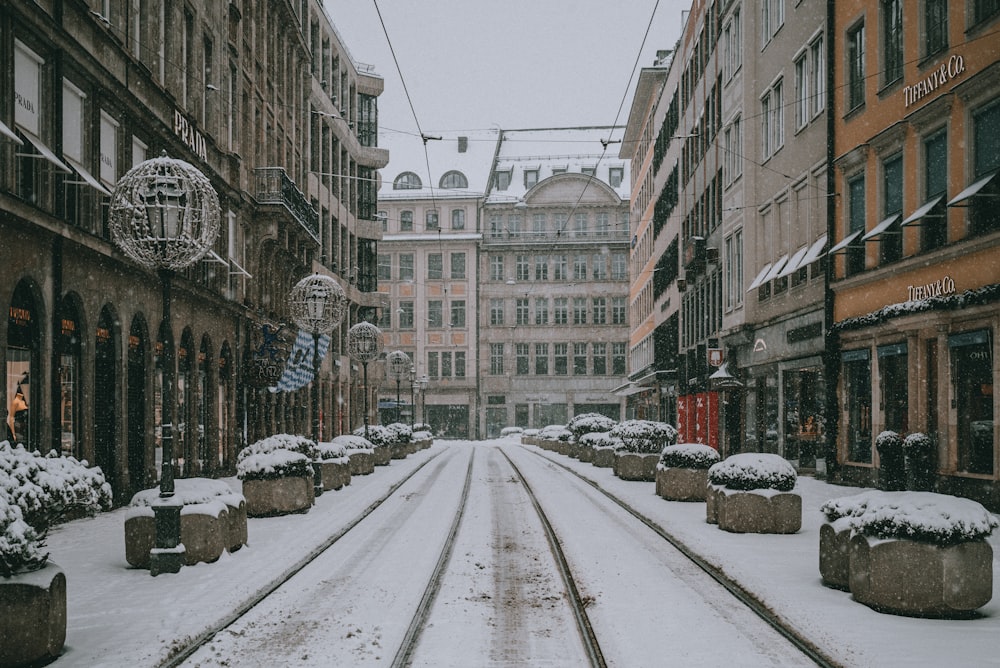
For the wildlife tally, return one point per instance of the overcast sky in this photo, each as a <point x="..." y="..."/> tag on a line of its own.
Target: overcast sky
<point x="476" y="64"/>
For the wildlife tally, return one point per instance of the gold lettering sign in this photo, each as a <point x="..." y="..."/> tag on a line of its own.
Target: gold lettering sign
<point x="945" y="72"/>
<point x="939" y="288"/>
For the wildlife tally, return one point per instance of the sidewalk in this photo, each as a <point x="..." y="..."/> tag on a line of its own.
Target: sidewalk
<point x="122" y="617"/>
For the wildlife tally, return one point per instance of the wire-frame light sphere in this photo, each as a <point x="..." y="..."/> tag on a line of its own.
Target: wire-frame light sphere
<point x="397" y="364"/>
<point x="364" y="342"/>
<point x="317" y="303"/>
<point x="164" y="213"/>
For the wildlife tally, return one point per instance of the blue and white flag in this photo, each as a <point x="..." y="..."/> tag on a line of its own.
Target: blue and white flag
<point x="299" y="367"/>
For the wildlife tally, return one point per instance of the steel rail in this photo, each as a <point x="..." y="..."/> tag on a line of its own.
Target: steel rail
<point x="204" y="638"/>
<point x="587" y="635"/>
<point x="745" y="597"/>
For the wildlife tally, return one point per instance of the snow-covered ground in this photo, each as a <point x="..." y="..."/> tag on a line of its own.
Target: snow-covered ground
<point x="119" y="616"/>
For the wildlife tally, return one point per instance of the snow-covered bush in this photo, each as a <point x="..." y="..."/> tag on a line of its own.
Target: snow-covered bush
<point x="688" y="456"/>
<point x="422" y="426"/>
<point x="401" y="433"/>
<point x="753" y="470"/>
<point x="918" y="445"/>
<point x="20" y="545"/>
<point x="331" y="451"/>
<point x="511" y="431"/>
<point x="588" y="423"/>
<point x="47" y="487"/>
<point x="301" y="444"/>
<point x="555" y="432"/>
<point x="892" y="464"/>
<point x="353" y="442"/>
<point x="601" y="439"/>
<point x="939" y="519"/>
<point x="378" y="435"/>
<point x="531" y="432"/>
<point x="644" y="436"/>
<point x="278" y="463"/>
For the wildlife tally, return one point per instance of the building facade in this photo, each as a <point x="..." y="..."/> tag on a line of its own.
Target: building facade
<point x="261" y="97"/>
<point x="553" y="326"/>
<point x="915" y="231"/>
<point x="428" y="275"/>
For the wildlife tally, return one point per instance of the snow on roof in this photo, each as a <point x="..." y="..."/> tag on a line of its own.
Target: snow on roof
<point x="469" y="152"/>
<point x="568" y="149"/>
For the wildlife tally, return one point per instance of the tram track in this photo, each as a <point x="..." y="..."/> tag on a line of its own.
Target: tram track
<point x="747" y="599"/>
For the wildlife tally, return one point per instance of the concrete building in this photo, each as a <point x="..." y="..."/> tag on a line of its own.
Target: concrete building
<point x="915" y="232"/>
<point x="428" y="274"/>
<point x="265" y="100"/>
<point x="553" y="326"/>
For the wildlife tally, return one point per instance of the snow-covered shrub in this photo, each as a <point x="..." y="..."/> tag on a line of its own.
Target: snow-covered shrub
<point x="511" y="431"/>
<point x="331" y="451"/>
<point x="353" y="442"/>
<point x="422" y="426"/>
<point x="918" y="445"/>
<point x="301" y="444"/>
<point x="188" y="491"/>
<point x="920" y="455"/>
<point x="422" y="436"/>
<point x="401" y="433"/>
<point x="47" y="487"/>
<point x="20" y="545"/>
<point x="688" y="456"/>
<point x="377" y="434"/>
<point x="588" y="423"/>
<point x="555" y="432"/>
<point x="278" y="463"/>
<point x="892" y="464"/>
<point x="754" y="470"/>
<point x="601" y="439"/>
<point x="940" y="519"/>
<point x="531" y="432"/>
<point x="644" y="436"/>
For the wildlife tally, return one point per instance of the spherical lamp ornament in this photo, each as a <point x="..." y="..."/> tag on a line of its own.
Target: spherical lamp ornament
<point x="398" y="364"/>
<point x="164" y="213"/>
<point x="364" y="342"/>
<point x="317" y="303"/>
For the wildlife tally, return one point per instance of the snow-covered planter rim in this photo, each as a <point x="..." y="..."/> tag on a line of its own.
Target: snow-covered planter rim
<point x="510" y="431"/>
<point x="187" y="491"/>
<point x="331" y="451"/>
<point x="274" y="465"/>
<point x="689" y="456"/>
<point x="754" y="470"/>
<point x="929" y="517"/>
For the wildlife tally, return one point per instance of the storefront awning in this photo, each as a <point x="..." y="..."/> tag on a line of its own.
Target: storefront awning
<point x="629" y="389"/>
<point x="88" y="178"/>
<point x="45" y="151"/>
<point x="814" y="251"/>
<point x="760" y="277"/>
<point x="845" y="242"/>
<point x="778" y="266"/>
<point x="794" y="263"/>
<point x="973" y="190"/>
<point x="922" y="212"/>
<point x="882" y="228"/>
<point x="10" y="134"/>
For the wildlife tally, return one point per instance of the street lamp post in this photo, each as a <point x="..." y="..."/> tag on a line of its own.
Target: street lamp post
<point x="364" y="344"/>
<point x="397" y="363"/>
<point x="422" y="386"/>
<point x="413" y="406"/>
<point x="317" y="305"/>
<point x="164" y="215"/>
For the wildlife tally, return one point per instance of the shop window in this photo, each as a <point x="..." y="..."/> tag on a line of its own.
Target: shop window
<point x="857" y="375"/>
<point x="804" y="416"/>
<point x="972" y="380"/>
<point x="892" y="364"/>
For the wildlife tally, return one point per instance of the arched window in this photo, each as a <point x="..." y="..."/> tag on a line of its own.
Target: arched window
<point x="454" y="179"/>
<point x="407" y="181"/>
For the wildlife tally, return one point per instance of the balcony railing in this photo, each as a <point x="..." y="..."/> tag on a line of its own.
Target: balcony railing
<point x="274" y="187"/>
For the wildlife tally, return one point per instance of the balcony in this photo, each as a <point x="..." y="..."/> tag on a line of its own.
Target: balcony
<point x="274" y="187"/>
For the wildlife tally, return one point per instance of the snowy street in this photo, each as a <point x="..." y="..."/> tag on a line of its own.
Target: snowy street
<point x="501" y="599"/>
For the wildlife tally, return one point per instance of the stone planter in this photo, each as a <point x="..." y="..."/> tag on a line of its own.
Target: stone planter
<point x="909" y="577"/>
<point x="604" y="458"/>
<point x="586" y="454"/>
<point x="712" y="494"/>
<point x="399" y="450"/>
<point x="834" y="554"/>
<point x="279" y="496"/>
<point x="336" y="473"/>
<point x="574" y="449"/>
<point x="207" y="529"/>
<point x="636" y="466"/>
<point x="759" y="511"/>
<point x="681" y="484"/>
<point x="362" y="461"/>
<point x="32" y="616"/>
<point x="383" y="455"/>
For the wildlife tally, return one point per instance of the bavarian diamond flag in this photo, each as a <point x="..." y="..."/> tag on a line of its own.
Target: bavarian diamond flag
<point x="299" y="367"/>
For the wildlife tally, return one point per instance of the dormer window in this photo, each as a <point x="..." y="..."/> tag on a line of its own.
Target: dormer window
<point x="407" y="181"/>
<point x="454" y="179"/>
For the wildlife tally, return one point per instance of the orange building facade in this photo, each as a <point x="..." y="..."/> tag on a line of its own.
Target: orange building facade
<point x="915" y="229"/>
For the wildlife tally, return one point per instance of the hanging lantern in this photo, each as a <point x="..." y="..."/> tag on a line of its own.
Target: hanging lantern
<point x="364" y="342"/>
<point x="317" y="303"/>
